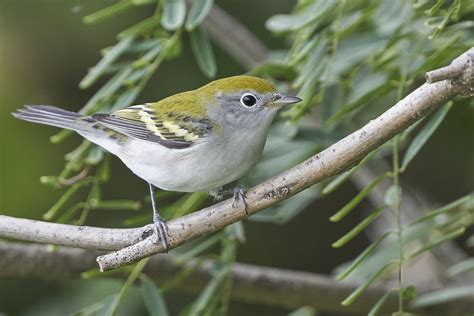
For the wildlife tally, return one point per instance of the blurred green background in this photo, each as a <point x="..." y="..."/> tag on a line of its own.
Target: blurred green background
<point x="45" y="50"/>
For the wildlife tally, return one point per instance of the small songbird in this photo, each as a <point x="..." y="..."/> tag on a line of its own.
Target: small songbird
<point x="192" y="141"/>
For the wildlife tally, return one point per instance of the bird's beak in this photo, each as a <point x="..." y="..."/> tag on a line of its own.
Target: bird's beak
<point x="282" y="100"/>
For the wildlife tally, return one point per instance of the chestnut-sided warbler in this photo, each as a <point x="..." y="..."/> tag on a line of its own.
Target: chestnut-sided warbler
<point x="192" y="141"/>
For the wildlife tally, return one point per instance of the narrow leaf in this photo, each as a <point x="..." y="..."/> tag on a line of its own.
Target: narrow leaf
<point x="116" y="205"/>
<point x="357" y="199"/>
<point x="304" y="311"/>
<point x="209" y="292"/>
<point x="356" y="230"/>
<point x="357" y="261"/>
<point x="202" y="50"/>
<point x="361" y="289"/>
<point x="107" y="12"/>
<point x="374" y="311"/>
<point x="174" y="12"/>
<point x="425" y="133"/>
<point x="443" y="296"/>
<point x="60" y="204"/>
<point x="141" y="27"/>
<point x="449" y="236"/>
<point x="449" y="207"/>
<point x="154" y="302"/>
<point x="200" y="248"/>
<point x="110" y="56"/>
<point x="463" y="266"/>
<point x="198" y="13"/>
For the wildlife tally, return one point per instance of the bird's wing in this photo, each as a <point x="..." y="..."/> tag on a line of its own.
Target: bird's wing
<point x="172" y="130"/>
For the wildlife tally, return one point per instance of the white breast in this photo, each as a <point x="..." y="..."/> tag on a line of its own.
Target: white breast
<point x="209" y="164"/>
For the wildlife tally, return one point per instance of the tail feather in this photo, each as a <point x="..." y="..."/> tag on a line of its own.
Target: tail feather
<point x="50" y="115"/>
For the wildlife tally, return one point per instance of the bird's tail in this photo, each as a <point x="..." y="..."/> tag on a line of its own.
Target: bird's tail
<point x="51" y="115"/>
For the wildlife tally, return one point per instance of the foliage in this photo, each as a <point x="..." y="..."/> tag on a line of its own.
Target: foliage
<point x="349" y="61"/>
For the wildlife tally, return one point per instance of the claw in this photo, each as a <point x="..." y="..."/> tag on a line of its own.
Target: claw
<point x="239" y="196"/>
<point x="160" y="229"/>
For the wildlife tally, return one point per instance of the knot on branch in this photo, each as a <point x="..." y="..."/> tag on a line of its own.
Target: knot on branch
<point x="278" y="192"/>
<point x="460" y="73"/>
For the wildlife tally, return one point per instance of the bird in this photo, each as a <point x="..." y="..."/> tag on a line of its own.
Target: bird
<point x="198" y="140"/>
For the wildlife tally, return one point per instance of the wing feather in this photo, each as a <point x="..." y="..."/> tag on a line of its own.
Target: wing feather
<point x="143" y="122"/>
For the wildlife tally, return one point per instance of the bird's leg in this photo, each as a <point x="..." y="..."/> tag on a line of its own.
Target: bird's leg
<point x="239" y="196"/>
<point x="159" y="226"/>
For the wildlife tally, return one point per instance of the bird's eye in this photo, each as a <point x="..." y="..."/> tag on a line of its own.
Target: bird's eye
<point x="248" y="99"/>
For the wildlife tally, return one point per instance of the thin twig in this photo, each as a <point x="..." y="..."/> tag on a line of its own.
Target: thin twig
<point x="455" y="70"/>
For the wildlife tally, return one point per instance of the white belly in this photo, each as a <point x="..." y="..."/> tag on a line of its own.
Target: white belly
<point x="197" y="168"/>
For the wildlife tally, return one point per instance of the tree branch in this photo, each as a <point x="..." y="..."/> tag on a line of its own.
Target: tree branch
<point x="332" y="161"/>
<point x="235" y="38"/>
<point x="253" y="284"/>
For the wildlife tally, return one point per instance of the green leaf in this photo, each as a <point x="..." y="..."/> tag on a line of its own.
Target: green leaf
<point x="110" y="56"/>
<point x="313" y="13"/>
<point x="112" y="306"/>
<point x="361" y="289"/>
<point x="303" y="311"/>
<point x="61" y="136"/>
<point x="443" y="296"/>
<point x="96" y="154"/>
<point x="198" y="13"/>
<point x="454" y="234"/>
<point x="449" y="207"/>
<point x="463" y="266"/>
<point x="409" y="292"/>
<point x="392" y="196"/>
<point x="108" y="12"/>
<point x="278" y="71"/>
<point x="209" y="292"/>
<point x="154" y="302"/>
<point x="357" y="199"/>
<point x="60" y="204"/>
<point x="202" y="50"/>
<point x="200" y="247"/>
<point x="362" y="257"/>
<point x="367" y="86"/>
<point x="356" y="230"/>
<point x="106" y="91"/>
<point x="118" y="205"/>
<point x="141" y="27"/>
<point x="174" y="12"/>
<point x="425" y="134"/>
<point x="374" y="311"/>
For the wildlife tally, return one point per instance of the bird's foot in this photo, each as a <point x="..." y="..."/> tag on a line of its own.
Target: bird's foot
<point x="160" y="229"/>
<point x="239" y="196"/>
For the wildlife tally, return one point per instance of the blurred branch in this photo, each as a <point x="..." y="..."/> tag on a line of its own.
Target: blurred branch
<point x="252" y="284"/>
<point x="235" y="38"/>
<point x="335" y="159"/>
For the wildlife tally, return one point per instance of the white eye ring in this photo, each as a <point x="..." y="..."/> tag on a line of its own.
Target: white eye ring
<point x="248" y="100"/>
